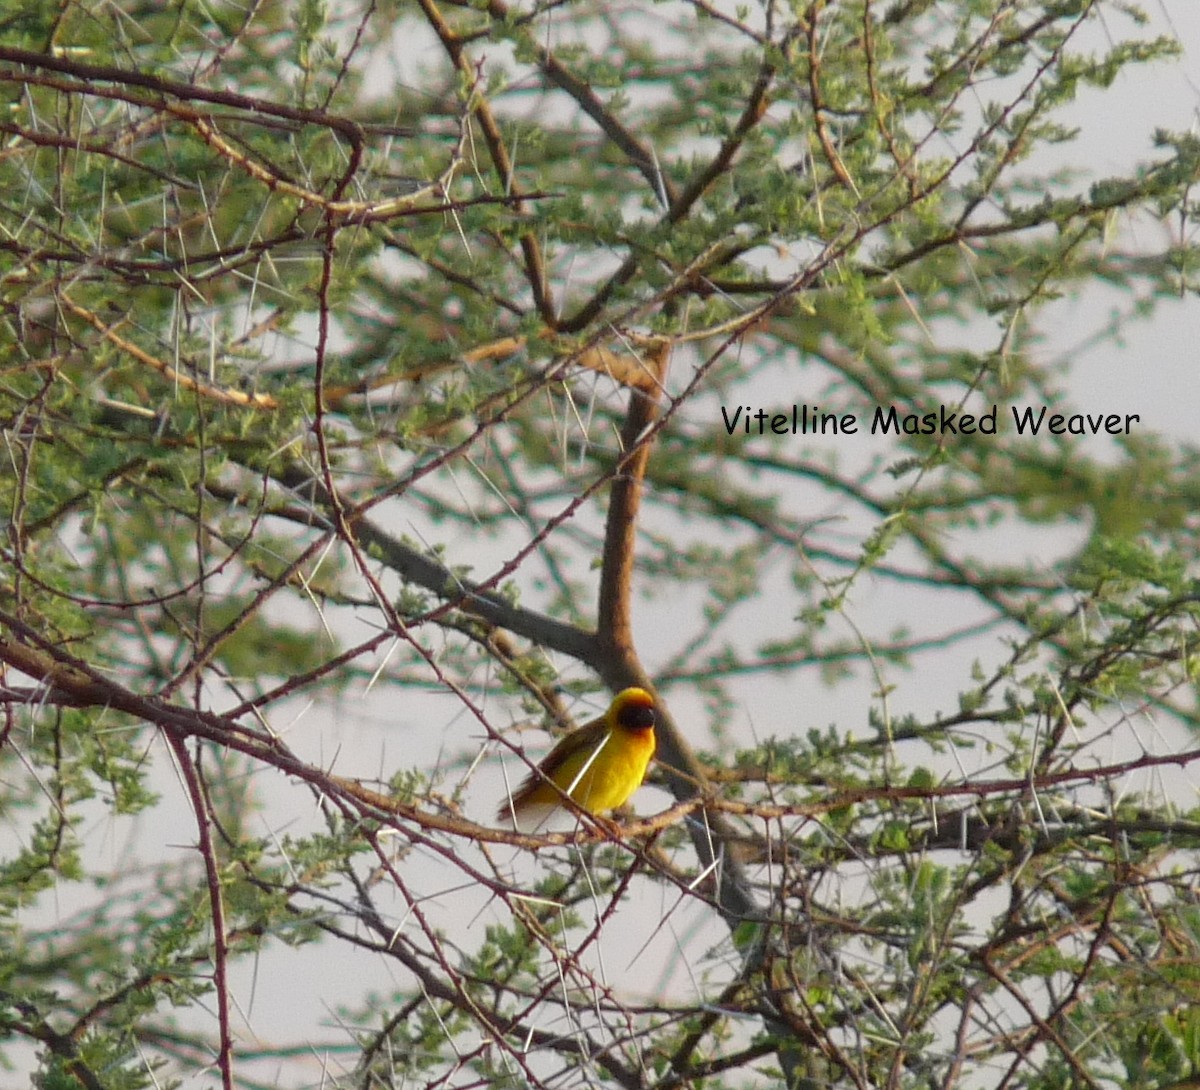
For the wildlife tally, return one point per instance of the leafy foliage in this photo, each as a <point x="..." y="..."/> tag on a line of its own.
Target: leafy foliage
<point x="347" y="404"/>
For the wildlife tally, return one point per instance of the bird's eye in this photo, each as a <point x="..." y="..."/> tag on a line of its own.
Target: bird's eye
<point x="637" y="716"/>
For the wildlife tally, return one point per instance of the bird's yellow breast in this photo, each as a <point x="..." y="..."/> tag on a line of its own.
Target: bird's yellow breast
<point x="598" y="766"/>
<point x="601" y="777"/>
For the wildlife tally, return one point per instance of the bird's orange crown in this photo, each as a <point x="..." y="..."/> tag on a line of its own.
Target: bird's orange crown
<point x="633" y="709"/>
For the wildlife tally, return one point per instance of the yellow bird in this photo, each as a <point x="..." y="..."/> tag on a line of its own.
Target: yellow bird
<point x="599" y="765"/>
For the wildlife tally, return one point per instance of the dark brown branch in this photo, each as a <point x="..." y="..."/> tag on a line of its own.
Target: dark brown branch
<point x="614" y="622"/>
<point x="90" y="75"/>
<point x="216" y="902"/>
<point x="535" y="267"/>
<point x="818" y="103"/>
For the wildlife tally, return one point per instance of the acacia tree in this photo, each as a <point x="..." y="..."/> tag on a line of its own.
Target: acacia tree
<point x="335" y="393"/>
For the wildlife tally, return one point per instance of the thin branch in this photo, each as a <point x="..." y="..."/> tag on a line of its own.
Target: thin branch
<point x="216" y="902"/>
<point x="222" y="395"/>
<point x="455" y="48"/>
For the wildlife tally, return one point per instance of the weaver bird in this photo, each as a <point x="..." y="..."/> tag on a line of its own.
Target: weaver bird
<point x="598" y="766"/>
